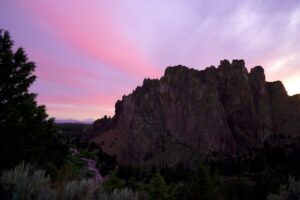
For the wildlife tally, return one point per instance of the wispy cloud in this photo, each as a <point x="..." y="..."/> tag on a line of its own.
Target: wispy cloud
<point x="90" y="54"/>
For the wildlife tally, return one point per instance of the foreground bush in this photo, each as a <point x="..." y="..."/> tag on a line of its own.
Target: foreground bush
<point x="291" y="191"/>
<point x="84" y="189"/>
<point x="25" y="183"/>
<point x="120" y="194"/>
<point x="19" y="183"/>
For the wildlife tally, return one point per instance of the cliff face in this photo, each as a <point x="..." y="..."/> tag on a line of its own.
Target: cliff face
<point x="188" y="114"/>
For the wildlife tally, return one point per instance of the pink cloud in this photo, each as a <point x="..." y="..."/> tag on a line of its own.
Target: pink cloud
<point x="64" y="73"/>
<point x="92" y="30"/>
<point x="99" y="99"/>
<point x="66" y="106"/>
<point x="107" y="47"/>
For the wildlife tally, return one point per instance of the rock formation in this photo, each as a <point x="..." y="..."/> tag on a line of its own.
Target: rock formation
<point x="188" y="114"/>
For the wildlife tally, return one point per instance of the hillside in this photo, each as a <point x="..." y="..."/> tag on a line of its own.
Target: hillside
<point x="189" y="114"/>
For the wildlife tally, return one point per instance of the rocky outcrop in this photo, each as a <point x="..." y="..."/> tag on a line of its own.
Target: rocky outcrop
<point x="188" y="114"/>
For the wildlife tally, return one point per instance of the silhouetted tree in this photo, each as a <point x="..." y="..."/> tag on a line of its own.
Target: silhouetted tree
<point x="25" y="131"/>
<point x="158" y="188"/>
<point x="202" y="186"/>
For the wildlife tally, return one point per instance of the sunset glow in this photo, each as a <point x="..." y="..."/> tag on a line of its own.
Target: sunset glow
<point x="88" y="55"/>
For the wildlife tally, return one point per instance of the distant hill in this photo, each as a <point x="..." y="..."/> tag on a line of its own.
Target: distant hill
<point x="189" y="114"/>
<point x="63" y="121"/>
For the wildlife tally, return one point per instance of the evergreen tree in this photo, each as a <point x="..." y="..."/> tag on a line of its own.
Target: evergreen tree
<point x="25" y="131"/>
<point x="202" y="187"/>
<point x="158" y="188"/>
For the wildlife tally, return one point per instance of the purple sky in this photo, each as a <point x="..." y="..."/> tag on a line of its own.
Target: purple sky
<point x="90" y="53"/>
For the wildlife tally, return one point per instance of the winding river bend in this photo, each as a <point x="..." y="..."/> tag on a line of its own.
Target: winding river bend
<point x="91" y="165"/>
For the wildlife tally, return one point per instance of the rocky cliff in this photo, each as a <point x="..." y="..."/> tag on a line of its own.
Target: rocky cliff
<point x="188" y="114"/>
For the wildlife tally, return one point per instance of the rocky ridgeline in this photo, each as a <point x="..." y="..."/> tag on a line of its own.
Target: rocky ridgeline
<point x="188" y="114"/>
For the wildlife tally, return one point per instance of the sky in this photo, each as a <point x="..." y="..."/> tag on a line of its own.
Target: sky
<point x="90" y="53"/>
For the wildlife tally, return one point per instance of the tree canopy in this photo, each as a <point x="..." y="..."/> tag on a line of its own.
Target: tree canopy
<point x="26" y="133"/>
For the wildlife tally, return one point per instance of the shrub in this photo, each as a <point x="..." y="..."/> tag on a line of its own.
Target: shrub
<point x="291" y="191"/>
<point x="25" y="183"/>
<point x="112" y="184"/>
<point x="67" y="172"/>
<point x="117" y="194"/>
<point x="51" y="169"/>
<point x="19" y="183"/>
<point x="83" y="190"/>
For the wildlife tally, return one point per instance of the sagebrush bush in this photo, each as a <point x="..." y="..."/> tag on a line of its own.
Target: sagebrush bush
<point x="291" y="191"/>
<point x="19" y="183"/>
<point x="25" y="183"/>
<point x="119" y="194"/>
<point x="84" y="189"/>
